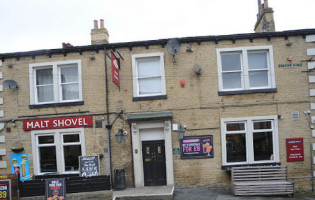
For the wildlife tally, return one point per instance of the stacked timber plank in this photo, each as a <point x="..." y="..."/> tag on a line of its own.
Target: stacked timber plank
<point x="261" y="181"/>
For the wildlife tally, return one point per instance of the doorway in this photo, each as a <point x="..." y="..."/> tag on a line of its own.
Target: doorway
<point x="154" y="166"/>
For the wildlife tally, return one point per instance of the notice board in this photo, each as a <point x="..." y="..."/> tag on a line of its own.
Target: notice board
<point x="55" y="188"/>
<point x="196" y="147"/>
<point x="295" y="150"/>
<point x="89" y="166"/>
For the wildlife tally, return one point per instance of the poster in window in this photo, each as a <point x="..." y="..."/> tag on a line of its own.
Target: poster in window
<point x="197" y="147"/>
<point x="55" y="188"/>
<point x="20" y="165"/>
<point x="295" y="150"/>
<point x="89" y="166"/>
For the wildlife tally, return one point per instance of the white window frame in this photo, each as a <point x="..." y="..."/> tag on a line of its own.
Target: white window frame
<point x="249" y="130"/>
<point x="58" y="142"/>
<point x="244" y="66"/>
<point x="136" y="92"/>
<point x="56" y="66"/>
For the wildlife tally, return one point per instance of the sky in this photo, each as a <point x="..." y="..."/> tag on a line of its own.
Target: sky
<point x="44" y="24"/>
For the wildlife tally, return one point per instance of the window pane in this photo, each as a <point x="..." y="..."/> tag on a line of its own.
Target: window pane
<point x="263" y="146"/>
<point x="71" y="138"/>
<point x="150" y="86"/>
<point x="235" y="127"/>
<point x="44" y="76"/>
<point x="45" y="93"/>
<point x="235" y="148"/>
<point x="71" y="156"/>
<point x="46" y="139"/>
<point x="148" y="67"/>
<point x="47" y="159"/>
<point x="231" y="80"/>
<point x="258" y="79"/>
<point x="262" y="125"/>
<point x="69" y="74"/>
<point x="70" y="91"/>
<point x="231" y="62"/>
<point x="257" y="60"/>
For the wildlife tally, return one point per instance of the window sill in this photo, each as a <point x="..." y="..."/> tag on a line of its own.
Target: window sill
<point x="56" y="104"/>
<point x="270" y="90"/>
<point x="228" y="167"/>
<point x="149" y="98"/>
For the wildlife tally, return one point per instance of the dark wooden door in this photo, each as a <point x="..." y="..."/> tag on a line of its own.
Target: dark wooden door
<point x="154" y="163"/>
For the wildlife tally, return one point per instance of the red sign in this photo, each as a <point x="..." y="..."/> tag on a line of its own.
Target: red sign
<point x="295" y="150"/>
<point x="57" y="123"/>
<point x="115" y="70"/>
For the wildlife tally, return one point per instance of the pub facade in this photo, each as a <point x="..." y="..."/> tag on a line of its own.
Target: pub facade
<point x="166" y="118"/>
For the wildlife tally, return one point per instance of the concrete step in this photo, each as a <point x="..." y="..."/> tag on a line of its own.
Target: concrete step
<point x="145" y="193"/>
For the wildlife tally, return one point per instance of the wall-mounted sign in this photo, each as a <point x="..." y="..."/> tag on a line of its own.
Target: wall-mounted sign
<point x="295" y="150"/>
<point x="5" y="189"/>
<point x="58" y="123"/>
<point x="89" y="166"/>
<point x="176" y="151"/>
<point x="20" y="165"/>
<point x="13" y="190"/>
<point x="115" y="69"/>
<point x="290" y="65"/>
<point x="55" y="188"/>
<point x="196" y="147"/>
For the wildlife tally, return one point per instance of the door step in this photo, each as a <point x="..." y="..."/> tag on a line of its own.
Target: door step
<point x="145" y="193"/>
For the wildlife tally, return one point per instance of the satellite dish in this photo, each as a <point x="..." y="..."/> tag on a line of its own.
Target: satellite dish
<point x="11" y="84"/>
<point x="173" y="47"/>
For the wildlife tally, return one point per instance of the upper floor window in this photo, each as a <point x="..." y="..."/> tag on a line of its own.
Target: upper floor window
<point x="148" y="75"/>
<point x="55" y="82"/>
<point x="245" y="68"/>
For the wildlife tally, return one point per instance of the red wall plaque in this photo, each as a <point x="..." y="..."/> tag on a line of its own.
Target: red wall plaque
<point x="295" y="150"/>
<point x="58" y="123"/>
<point x="115" y="70"/>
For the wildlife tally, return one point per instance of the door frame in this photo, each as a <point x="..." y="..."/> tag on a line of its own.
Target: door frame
<point x="137" y="150"/>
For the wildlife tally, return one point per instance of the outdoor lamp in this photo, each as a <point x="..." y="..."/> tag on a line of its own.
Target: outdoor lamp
<point x="119" y="136"/>
<point x="181" y="132"/>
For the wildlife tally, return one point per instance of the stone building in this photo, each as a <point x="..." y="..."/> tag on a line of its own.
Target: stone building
<point x="238" y="99"/>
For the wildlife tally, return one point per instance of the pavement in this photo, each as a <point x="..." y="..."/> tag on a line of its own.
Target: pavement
<point x="195" y="193"/>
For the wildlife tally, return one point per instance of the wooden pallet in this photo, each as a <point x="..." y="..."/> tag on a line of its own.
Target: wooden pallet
<point x="261" y="181"/>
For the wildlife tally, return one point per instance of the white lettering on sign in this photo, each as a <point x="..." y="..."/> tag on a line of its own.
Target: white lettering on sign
<point x="38" y="124"/>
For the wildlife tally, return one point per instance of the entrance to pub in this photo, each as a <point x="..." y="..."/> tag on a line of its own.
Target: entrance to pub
<point x="154" y="167"/>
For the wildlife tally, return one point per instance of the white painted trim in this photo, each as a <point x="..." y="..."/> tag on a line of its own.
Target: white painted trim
<point x="135" y="73"/>
<point x="245" y="70"/>
<point x="1" y="88"/>
<point x="55" y="66"/>
<point x="3" y="164"/>
<point x="311" y="52"/>
<point x="57" y="133"/>
<point x="3" y="152"/>
<point x="311" y="79"/>
<point x="313" y="119"/>
<point x="313" y="133"/>
<point x="1" y="101"/>
<point x="313" y="106"/>
<point x="311" y="65"/>
<point x="0" y="63"/>
<point x="1" y="113"/>
<point x="249" y="140"/>
<point x="310" y="38"/>
<point x="313" y="146"/>
<point x="312" y="92"/>
<point x="1" y="126"/>
<point x="137" y="147"/>
<point x="2" y="139"/>
<point x="1" y="75"/>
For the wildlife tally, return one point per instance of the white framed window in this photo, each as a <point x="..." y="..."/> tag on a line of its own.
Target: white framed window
<point x="250" y="140"/>
<point x="148" y="75"/>
<point x="245" y="68"/>
<point x="57" y="151"/>
<point x="55" y="82"/>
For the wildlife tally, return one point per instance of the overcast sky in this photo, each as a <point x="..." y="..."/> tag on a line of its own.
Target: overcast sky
<point x="44" y="24"/>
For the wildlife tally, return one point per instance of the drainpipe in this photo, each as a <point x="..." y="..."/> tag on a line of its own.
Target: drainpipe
<point x="108" y="126"/>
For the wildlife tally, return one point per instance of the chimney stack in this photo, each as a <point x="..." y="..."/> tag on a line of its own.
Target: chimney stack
<point x="99" y="35"/>
<point x="265" y="21"/>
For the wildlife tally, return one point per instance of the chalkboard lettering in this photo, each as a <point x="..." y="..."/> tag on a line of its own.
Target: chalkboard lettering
<point x="89" y="166"/>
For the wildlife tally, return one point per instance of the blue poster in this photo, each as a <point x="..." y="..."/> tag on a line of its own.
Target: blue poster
<point x="20" y="164"/>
